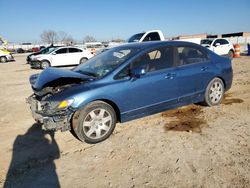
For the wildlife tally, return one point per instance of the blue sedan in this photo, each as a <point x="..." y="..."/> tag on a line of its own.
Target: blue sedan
<point x="127" y="82"/>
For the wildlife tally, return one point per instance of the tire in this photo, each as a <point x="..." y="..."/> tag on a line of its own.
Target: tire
<point x="95" y="122"/>
<point x="45" y="64"/>
<point x="231" y="53"/>
<point x="3" y="59"/>
<point x="214" y="92"/>
<point x="83" y="60"/>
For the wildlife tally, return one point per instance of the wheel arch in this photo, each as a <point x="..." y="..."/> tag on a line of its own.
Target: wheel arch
<point x="222" y="79"/>
<point x="110" y="102"/>
<point x="45" y="60"/>
<point x="114" y="106"/>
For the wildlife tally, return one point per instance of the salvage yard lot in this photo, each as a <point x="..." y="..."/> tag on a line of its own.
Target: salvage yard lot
<point x="192" y="146"/>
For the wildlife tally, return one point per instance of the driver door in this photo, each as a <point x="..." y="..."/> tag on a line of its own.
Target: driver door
<point x="60" y="57"/>
<point x="152" y="92"/>
<point x="218" y="49"/>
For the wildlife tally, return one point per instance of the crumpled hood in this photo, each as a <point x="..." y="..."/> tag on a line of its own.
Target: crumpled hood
<point x="53" y="77"/>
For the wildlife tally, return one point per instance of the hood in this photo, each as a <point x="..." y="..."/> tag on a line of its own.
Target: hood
<point x="5" y="52"/>
<point x="53" y="77"/>
<point x="205" y="45"/>
<point x="33" y="54"/>
<point x="39" y="56"/>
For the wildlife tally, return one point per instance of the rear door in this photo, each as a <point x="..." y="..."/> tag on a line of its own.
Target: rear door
<point x="75" y="55"/>
<point x="222" y="48"/>
<point x="195" y="71"/>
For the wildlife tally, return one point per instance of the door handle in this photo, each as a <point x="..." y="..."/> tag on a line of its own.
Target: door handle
<point x="170" y="76"/>
<point x="204" y="68"/>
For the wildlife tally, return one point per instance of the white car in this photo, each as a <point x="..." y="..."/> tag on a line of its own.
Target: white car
<point x="5" y="56"/>
<point x="61" y="56"/>
<point x="219" y="45"/>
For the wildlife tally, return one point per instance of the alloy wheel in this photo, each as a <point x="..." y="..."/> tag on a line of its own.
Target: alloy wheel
<point x="97" y="123"/>
<point x="216" y="92"/>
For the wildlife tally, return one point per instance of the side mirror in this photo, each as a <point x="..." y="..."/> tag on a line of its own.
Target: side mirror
<point x="217" y="44"/>
<point x="53" y="53"/>
<point x="137" y="72"/>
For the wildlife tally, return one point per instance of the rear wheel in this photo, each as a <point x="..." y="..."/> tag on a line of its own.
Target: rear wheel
<point x="3" y="59"/>
<point x="45" y="64"/>
<point x="95" y="122"/>
<point x="214" y="92"/>
<point x="83" y="60"/>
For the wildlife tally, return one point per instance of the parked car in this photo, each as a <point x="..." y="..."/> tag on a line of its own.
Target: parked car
<point x="61" y="56"/>
<point x="42" y="51"/>
<point x="125" y="83"/>
<point x="5" y="56"/>
<point x="20" y="50"/>
<point x="35" y="49"/>
<point x="219" y="45"/>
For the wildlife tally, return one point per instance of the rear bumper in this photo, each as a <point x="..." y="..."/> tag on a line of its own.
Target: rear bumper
<point x="59" y="120"/>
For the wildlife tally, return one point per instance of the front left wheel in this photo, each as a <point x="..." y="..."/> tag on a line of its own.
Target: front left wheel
<point x="45" y="64"/>
<point x="95" y="122"/>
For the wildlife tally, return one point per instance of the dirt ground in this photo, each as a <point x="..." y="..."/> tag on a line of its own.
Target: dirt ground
<point x="193" y="146"/>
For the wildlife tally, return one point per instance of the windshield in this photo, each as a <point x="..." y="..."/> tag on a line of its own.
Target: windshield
<point x="136" y="37"/>
<point x="47" y="50"/>
<point x="50" y="49"/>
<point x="206" y="41"/>
<point x="106" y="62"/>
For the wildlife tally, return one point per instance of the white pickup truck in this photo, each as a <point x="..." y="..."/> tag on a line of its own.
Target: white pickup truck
<point x="217" y="45"/>
<point x="156" y="35"/>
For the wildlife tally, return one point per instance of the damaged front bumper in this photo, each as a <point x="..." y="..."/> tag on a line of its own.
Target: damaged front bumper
<point x="56" y="120"/>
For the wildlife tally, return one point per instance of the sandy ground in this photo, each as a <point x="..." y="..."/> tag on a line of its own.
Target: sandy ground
<point x="192" y="146"/>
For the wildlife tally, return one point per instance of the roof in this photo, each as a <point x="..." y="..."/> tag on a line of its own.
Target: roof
<point x="143" y="45"/>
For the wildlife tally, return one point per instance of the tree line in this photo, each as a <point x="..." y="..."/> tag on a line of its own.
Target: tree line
<point x="51" y="37"/>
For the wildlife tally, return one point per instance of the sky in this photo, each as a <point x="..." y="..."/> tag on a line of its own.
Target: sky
<point x="25" y="20"/>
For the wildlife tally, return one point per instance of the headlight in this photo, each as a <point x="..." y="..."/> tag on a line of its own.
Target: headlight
<point x="65" y="103"/>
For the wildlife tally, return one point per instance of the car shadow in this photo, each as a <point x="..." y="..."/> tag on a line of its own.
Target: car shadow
<point x="33" y="156"/>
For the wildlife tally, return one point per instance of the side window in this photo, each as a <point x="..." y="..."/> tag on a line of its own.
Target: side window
<point x="74" y="50"/>
<point x="155" y="60"/>
<point x="123" y="73"/>
<point x="152" y="37"/>
<point x="223" y="41"/>
<point x="151" y="61"/>
<point x="190" y="55"/>
<point x="215" y="42"/>
<point x="61" y="51"/>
